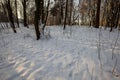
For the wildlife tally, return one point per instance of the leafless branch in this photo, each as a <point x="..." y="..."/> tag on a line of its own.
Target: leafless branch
<point x="99" y="48"/>
<point x="115" y="44"/>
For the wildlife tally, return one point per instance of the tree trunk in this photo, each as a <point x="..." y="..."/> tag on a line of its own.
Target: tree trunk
<point x="65" y="15"/>
<point x="97" y="14"/>
<point x="36" y="23"/>
<point x="16" y="13"/>
<point x="37" y="18"/>
<point x="46" y="16"/>
<point x="61" y="12"/>
<point x="42" y="11"/>
<point x="71" y="6"/>
<point x="10" y="15"/>
<point x="24" y="13"/>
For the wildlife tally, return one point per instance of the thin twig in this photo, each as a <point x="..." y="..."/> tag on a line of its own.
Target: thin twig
<point x="92" y="74"/>
<point x="115" y="44"/>
<point x="114" y="68"/>
<point x="99" y="48"/>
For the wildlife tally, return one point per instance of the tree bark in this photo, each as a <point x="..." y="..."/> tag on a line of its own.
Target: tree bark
<point x="16" y="13"/>
<point x="10" y="15"/>
<point x="65" y="15"/>
<point x="46" y="16"/>
<point x="42" y="11"/>
<point x="37" y="18"/>
<point x="61" y="12"/>
<point x="24" y="13"/>
<point x="97" y="14"/>
<point x="71" y="6"/>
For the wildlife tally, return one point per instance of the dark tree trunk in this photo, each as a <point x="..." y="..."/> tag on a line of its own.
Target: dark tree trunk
<point x="16" y="13"/>
<point x="71" y="6"/>
<point x="24" y="13"/>
<point x="97" y="14"/>
<point x="65" y="15"/>
<point x="36" y="23"/>
<point x="42" y="14"/>
<point x="10" y="15"/>
<point x="61" y="11"/>
<point x="37" y="18"/>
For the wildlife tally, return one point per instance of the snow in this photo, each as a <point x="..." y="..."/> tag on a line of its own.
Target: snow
<point x="66" y="55"/>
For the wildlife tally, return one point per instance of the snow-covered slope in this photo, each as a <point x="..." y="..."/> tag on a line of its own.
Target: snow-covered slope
<point x="67" y="55"/>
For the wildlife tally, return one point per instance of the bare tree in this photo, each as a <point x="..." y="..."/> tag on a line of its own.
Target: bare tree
<point x="37" y="18"/>
<point x="46" y="16"/>
<point x="24" y="12"/>
<point x="71" y="8"/>
<point x="42" y="13"/>
<point x="97" y="14"/>
<point x="16" y="13"/>
<point x="65" y="15"/>
<point x="61" y="11"/>
<point x="10" y="15"/>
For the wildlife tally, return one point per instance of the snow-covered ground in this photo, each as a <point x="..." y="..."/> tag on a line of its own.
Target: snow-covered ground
<point x="67" y="55"/>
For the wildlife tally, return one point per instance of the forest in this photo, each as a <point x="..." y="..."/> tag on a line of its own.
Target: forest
<point x="59" y="39"/>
